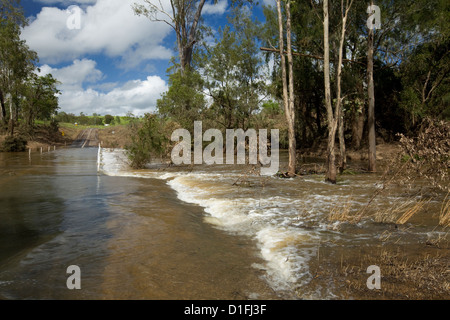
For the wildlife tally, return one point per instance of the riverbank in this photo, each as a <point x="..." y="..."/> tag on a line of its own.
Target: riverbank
<point x="44" y="137"/>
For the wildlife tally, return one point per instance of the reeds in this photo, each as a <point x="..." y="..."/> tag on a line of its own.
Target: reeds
<point x="399" y="213"/>
<point x="403" y="276"/>
<point x="444" y="215"/>
<point x="411" y="210"/>
<point x="343" y="212"/>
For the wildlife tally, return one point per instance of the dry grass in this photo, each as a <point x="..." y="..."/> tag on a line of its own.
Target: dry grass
<point x="115" y="137"/>
<point x="343" y="212"/>
<point x="401" y="211"/>
<point x="411" y="210"/>
<point x="409" y="277"/>
<point x="444" y="215"/>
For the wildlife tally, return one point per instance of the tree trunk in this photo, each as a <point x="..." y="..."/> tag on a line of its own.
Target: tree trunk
<point x="342" y="149"/>
<point x="288" y="89"/>
<point x="3" y="108"/>
<point x="357" y="128"/>
<point x="11" y="118"/>
<point x="186" y="46"/>
<point x="371" y="109"/>
<point x="332" y="123"/>
<point x="339" y="105"/>
<point x="291" y="107"/>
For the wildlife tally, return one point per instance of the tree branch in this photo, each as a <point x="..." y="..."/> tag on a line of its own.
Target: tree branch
<point x="309" y="55"/>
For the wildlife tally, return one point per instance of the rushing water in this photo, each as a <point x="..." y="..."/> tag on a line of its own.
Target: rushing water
<point x="207" y="232"/>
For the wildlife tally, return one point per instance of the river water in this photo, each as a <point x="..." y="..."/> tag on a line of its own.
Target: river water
<point x="203" y="232"/>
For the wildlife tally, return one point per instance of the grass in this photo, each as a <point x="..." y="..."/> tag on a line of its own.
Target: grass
<point x="411" y="210"/>
<point x="422" y="277"/>
<point x="444" y="215"/>
<point x="79" y="126"/>
<point x="400" y="211"/>
<point x="344" y="212"/>
<point x="404" y="276"/>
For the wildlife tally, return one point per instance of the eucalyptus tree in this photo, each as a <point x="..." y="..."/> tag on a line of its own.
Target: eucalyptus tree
<point x="40" y="99"/>
<point x="17" y="61"/>
<point x="184" y="17"/>
<point x="231" y="68"/>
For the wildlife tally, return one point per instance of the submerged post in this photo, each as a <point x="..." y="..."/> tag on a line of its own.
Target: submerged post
<point x="98" y="157"/>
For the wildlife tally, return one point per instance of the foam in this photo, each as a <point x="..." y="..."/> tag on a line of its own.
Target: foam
<point x="273" y="221"/>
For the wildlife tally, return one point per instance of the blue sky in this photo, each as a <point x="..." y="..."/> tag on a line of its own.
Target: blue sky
<point x="113" y="62"/>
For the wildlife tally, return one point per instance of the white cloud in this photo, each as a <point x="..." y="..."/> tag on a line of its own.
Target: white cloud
<point x="219" y="8"/>
<point x="108" y="27"/>
<point x="74" y="76"/>
<point x="137" y="96"/>
<point x="269" y="2"/>
<point x="67" y="2"/>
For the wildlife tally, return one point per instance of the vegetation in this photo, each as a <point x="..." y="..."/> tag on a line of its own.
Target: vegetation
<point x="14" y="144"/>
<point x="24" y="96"/>
<point x="319" y="71"/>
<point x="150" y="140"/>
<point x="339" y="82"/>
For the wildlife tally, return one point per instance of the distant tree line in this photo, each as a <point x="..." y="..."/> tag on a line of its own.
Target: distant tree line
<point x="94" y="120"/>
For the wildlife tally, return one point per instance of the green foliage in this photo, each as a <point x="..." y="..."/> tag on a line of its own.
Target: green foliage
<point x="271" y="109"/>
<point x="426" y="81"/>
<point x="14" y="144"/>
<point x="149" y="139"/>
<point x="108" y="119"/>
<point x="184" y="102"/>
<point x="66" y="117"/>
<point x="54" y="126"/>
<point x="40" y="101"/>
<point x="232" y="67"/>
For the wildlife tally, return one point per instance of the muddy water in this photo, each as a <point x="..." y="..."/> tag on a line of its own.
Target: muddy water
<point x="207" y="232"/>
<point x="287" y="220"/>
<point x="131" y="238"/>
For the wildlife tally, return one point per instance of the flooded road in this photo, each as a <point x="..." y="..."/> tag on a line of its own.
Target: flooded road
<point x="132" y="238"/>
<point x="204" y="232"/>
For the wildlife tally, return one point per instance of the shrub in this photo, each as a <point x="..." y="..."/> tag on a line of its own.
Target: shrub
<point x="429" y="153"/>
<point x="109" y="119"/>
<point x="14" y="144"/>
<point x="149" y="140"/>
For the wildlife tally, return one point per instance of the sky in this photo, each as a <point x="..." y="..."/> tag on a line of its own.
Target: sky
<point x="108" y="60"/>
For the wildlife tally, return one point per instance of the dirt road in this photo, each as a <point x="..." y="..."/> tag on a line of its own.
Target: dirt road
<point x="87" y="138"/>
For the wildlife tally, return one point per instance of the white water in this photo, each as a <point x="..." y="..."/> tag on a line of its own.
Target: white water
<point x="271" y="221"/>
<point x="286" y="218"/>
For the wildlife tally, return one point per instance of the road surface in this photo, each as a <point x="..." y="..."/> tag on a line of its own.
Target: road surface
<point x="87" y="138"/>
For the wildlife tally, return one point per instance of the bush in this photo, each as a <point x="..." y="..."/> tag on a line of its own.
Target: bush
<point x="109" y="119"/>
<point x="14" y="144"/>
<point x="149" y="140"/>
<point x="54" y="126"/>
<point x="428" y="154"/>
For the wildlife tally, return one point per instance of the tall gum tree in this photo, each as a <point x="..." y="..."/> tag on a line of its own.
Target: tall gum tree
<point x="17" y="61"/>
<point x="332" y="115"/>
<point x="288" y="87"/>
